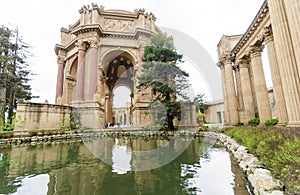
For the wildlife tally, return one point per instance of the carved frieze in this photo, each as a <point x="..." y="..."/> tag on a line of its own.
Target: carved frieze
<point x="118" y="25"/>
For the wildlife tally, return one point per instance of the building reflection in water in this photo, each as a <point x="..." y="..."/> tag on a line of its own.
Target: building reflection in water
<point x="71" y="168"/>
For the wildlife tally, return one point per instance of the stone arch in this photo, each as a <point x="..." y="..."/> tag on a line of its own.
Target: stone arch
<point x="110" y="54"/>
<point x="118" y="67"/>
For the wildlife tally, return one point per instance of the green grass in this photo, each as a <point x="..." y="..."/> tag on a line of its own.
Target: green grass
<point x="277" y="148"/>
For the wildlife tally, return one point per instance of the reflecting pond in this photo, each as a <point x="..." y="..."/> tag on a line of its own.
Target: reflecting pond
<point x="70" y="167"/>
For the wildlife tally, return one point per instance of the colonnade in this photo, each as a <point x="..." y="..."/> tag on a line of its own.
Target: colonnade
<point x="276" y="26"/>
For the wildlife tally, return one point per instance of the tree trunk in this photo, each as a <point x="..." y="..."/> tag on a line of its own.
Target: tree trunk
<point x="13" y="83"/>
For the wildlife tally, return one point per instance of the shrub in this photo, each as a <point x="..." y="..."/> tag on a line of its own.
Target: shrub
<point x="203" y="128"/>
<point x="271" y="122"/>
<point x="6" y="134"/>
<point x="254" y="122"/>
<point x="239" y="124"/>
<point x="278" y="149"/>
<point x="33" y="132"/>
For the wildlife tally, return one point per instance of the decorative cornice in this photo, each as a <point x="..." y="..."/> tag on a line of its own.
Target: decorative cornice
<point x="261" y="16"/>
<point x="87" y="28"/>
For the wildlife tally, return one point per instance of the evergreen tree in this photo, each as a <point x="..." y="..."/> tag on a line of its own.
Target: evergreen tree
<point x="165" y="79"/>
<point x="200" y="103"/>
<point x="14" y="73"/>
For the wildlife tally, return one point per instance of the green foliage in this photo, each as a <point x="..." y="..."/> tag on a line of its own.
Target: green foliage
<point x="271" y="122"/>
<point x="277" y="149"/>
<point x="254" y="122"/>
<point x="203" y="128"/>
<point x="200" y="115"/>
<point x="65" y="124"/>
<point x="6" y="134"/>
<point x="239" y="124"/>
<point x="162" y="41"/>
<point x="165" y="79"/>
<point x="14" y="73"/>
<point x="199" y="100"/>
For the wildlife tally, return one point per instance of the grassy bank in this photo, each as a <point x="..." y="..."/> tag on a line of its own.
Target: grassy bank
<point x="277" y="148"/>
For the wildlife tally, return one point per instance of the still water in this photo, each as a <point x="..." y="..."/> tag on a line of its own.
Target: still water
<point x="70" y="167"/>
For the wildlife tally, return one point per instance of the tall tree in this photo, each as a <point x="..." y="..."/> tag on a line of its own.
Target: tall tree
<point x="200" y="101"/>
<point x="165" y="79"/>
<point x="14" y="73"/>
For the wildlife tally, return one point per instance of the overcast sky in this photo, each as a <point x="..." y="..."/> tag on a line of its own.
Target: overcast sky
<point x="39" y="24"/>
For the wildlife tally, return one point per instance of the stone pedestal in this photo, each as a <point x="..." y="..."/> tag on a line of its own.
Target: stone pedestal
<point x="88" y="115"/>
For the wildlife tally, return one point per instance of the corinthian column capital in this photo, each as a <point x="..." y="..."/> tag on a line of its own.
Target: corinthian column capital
<point x="81" y="45"/>
<point x="60" y="60"/>
<point x="93" y="42"/>
<point x="243" y="63"/>
<point x="268" y="33"/>
<point x="256" y="50"/>
<point x="226" y="59"/>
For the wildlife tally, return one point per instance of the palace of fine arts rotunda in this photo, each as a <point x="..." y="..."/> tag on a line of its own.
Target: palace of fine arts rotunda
<point x="100" y="52"/>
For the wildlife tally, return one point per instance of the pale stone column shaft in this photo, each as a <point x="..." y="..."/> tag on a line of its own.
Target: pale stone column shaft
<point x="286" y="61"/>
<point x="277" y="85"/>
<point x="60" y="79"/>
<point x="239" y="87"/>
<point x="293" y="17"/>
<point x="231" y="92"/>
<point x="246" y="91"/>
<point x="262" y="98"/>
<point x="224" y="93"/>
<point x="93" y="70"/>
<point x="108" y="109"/>
<point x="79" y="94"/>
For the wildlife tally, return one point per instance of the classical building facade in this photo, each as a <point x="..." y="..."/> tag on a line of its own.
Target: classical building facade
<point x="275" y="27"/>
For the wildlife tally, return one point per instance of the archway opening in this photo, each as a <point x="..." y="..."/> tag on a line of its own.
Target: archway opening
<point x="119" y="90"/>
<point x="122" y="106"/>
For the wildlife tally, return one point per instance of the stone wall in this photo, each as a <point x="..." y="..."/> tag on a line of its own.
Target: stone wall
<point x="215" y="112"/>
<point x="31" y="116"/>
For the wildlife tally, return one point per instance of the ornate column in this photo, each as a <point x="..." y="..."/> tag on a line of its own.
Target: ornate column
<point x="79" y="94"/>
<point x="261" y="92"/>
<point x="230" y="91"/>
<point x="221" y="66"/>
<point x="246" y="90"/>
<point x="286" y="61"/>
<point x="60" y="79"/>
<point x="292" y="8"/>
<point x="108" y="108"/>
<point x="277" y="85"/>
<point x="93" y="70"/>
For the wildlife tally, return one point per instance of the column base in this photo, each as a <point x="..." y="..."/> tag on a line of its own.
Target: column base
<point x="294" y="124"/>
